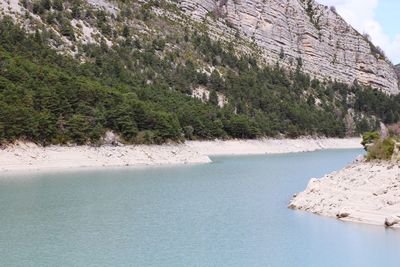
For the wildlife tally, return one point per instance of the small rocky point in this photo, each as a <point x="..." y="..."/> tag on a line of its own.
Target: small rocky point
<point x="363" y="192"/>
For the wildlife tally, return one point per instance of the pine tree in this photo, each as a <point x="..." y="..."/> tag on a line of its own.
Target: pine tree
<point x="213" y="99"/>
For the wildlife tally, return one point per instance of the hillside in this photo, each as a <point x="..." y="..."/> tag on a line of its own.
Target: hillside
<point x="397" y="69"/>
<point x="328" y="47"/>
<point x="152" y="72"/>
<point x="286" y="31"/>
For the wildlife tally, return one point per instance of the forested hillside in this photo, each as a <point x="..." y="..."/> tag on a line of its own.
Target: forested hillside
<point x="142" y="88"/>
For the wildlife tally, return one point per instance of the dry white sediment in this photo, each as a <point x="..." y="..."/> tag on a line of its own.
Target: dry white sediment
<point x="363" y="192"/>
<point x="28" y="157"/>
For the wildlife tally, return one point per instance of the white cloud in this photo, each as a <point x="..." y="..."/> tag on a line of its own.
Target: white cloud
<point x="361" y="15"/>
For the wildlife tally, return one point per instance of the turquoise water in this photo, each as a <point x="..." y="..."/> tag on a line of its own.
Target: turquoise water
<point x="228" y="213"/>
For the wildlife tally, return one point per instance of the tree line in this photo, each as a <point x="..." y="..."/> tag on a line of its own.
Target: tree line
<point x="50" y="98"/>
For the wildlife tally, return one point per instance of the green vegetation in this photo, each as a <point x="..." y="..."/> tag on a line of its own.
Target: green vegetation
<point x="311" y="14"/>
<point x="379" y="148"/>
<point x="369" y="138"/>
<point x="375" y="50"/>
<point x="382" y="149"/>
<point x="373" y="102"/>
<point x="141" y="88"/>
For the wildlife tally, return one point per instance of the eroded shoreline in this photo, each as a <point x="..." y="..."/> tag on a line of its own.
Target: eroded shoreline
<point x="362" y="192"/>
<point x="30" y="157"/>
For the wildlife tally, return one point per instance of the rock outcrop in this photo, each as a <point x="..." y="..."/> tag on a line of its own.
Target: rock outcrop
<point x="300" y="31"/>
<point x="364" y="192"/>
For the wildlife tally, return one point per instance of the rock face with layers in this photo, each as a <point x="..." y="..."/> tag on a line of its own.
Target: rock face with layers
<point x="300" y="31"/>
<point x="291" y="32"/>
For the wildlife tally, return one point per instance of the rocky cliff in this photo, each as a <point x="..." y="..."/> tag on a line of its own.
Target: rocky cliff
<point x="292" y="32"/>
<point x="300" y="30"/>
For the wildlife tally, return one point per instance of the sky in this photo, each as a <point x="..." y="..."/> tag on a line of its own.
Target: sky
<point x="378" y="18"/>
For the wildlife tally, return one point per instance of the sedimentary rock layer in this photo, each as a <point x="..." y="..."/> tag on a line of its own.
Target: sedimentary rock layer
<point x="287" y="31"/>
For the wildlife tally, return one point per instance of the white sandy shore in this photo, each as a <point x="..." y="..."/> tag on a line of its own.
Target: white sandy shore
<point x="271" y="146"/>
<point x="28" y="157"/>
<point x="364" y="192"/>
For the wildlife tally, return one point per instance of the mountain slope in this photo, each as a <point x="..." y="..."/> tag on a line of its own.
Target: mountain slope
<point x="300" y="29"/>
<point x="73" y="70"/>
<point x="296" y="30"/>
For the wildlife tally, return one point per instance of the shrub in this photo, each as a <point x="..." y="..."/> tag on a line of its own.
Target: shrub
<point x="146" y="137"/>
<point x="369" y="138"/>
<point x="188" y="131"/>
<point x="382" y="149"/>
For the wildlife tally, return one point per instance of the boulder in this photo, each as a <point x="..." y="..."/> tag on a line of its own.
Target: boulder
<point x="110" y="138"/>
<point x="391" y="221"/>
<point x="341" y="215"/>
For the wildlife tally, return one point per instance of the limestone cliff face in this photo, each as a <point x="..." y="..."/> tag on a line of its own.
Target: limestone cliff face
<point x="285" y="31"/>
<point x="290" y="30"/>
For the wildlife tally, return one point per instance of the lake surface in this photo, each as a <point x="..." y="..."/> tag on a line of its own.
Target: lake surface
<point x="228" y="213"/>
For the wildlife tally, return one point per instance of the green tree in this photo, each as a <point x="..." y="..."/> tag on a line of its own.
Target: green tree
<point x="216" y="81"/>
<point x="77" y="129"/>
<point x="45" y="4"/>
<point x="241" y="127"/>
<point x="369" y="138"/>
<point x="125" y="31"/>
<point x="213" y="98"/>
<point x="58" y="5"/>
